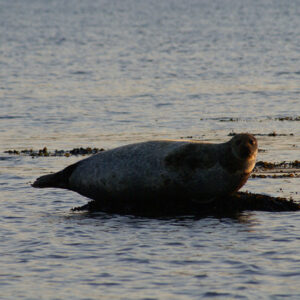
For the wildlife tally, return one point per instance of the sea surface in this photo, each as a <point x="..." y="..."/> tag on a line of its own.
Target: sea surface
<point x="104" y="73"/>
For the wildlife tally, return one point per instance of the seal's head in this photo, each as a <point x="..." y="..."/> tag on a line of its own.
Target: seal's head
<point x="244" y="148"/>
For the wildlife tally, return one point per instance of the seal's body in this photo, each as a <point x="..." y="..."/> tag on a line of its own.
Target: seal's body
<point x="173" y="169"/>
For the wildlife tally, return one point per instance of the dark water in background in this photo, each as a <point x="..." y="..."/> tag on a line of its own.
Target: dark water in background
<point x="106" y="73"/>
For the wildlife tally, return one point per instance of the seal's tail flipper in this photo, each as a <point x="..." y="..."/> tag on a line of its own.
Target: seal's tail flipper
<point x="58" y="180"/>
<point x="50" y="180"/>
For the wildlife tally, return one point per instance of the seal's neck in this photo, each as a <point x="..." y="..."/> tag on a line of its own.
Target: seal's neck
<point x="249" y="164"/>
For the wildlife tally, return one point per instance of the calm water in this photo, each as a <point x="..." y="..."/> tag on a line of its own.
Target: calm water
<point x="106" y="73"/>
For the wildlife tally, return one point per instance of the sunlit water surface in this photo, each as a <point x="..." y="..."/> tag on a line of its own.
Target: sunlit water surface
<point x="106" y="73"/>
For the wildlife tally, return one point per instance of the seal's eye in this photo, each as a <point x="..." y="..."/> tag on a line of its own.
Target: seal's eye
<point x="238" y="142"/>
<point x="251" y="142"/>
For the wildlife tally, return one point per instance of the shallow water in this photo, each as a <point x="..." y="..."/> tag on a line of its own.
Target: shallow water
<point x="107" y="73"/>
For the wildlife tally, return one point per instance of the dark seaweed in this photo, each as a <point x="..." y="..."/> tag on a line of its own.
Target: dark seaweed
<point x="45" y="152"/>
<point x="265" y="134"/>
<point x="281" y="165"/>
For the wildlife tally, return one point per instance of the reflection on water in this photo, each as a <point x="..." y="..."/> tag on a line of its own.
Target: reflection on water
<point x="107" y="73"/>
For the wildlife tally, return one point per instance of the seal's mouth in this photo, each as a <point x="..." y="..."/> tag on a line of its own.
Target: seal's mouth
<point x="245" y="152"/>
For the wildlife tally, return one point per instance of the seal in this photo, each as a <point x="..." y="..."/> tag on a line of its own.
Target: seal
<point x="166" y="169"/>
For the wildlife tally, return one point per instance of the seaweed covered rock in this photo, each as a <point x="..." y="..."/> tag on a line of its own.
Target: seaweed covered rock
<point x="239" y="202"/>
